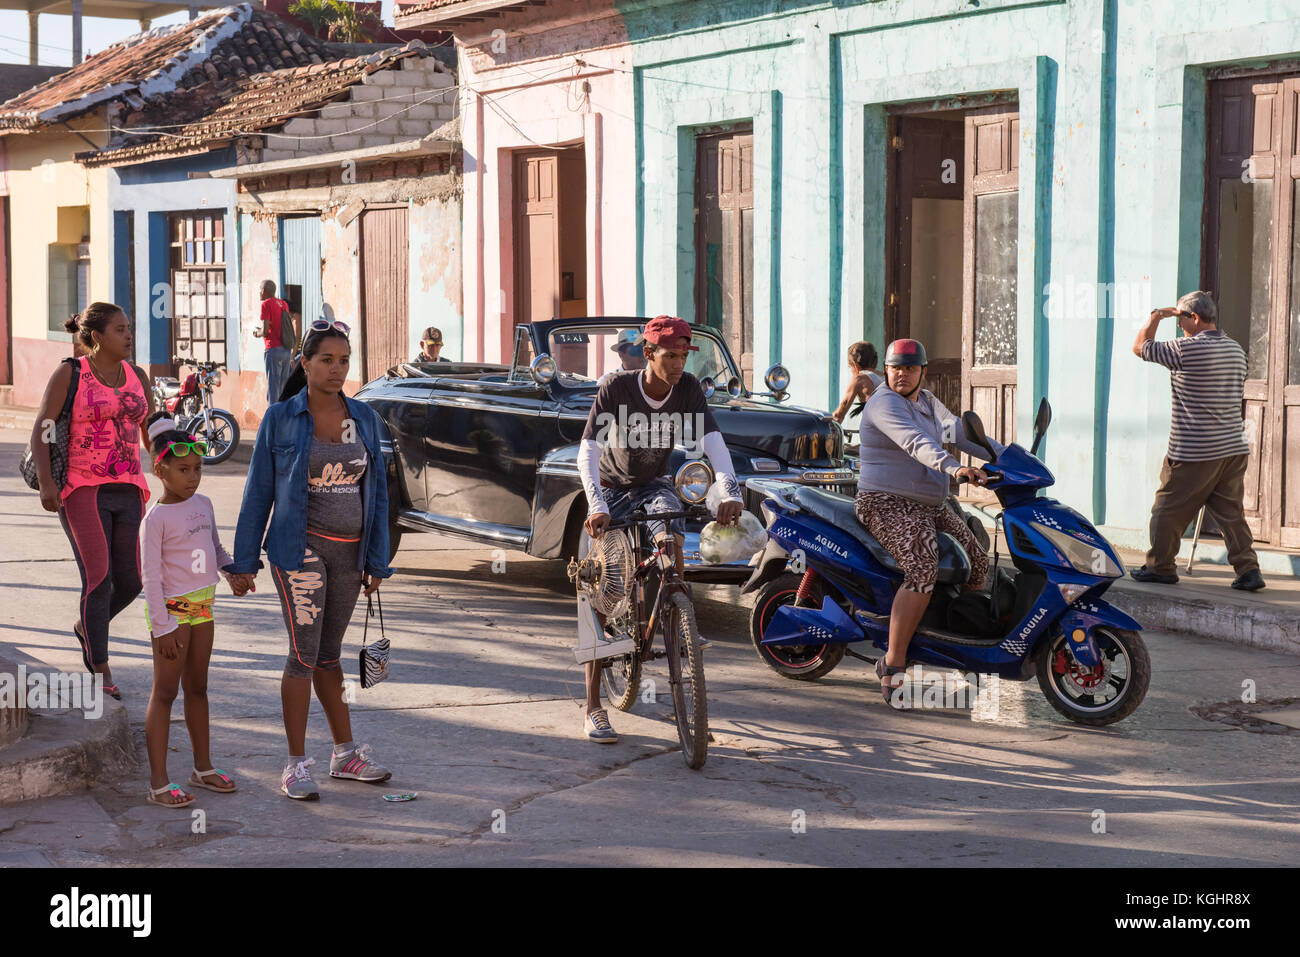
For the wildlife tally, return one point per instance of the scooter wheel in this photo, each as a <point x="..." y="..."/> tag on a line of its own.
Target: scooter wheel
<point x="800" y="662"/>
<point x="1102" y="695"/>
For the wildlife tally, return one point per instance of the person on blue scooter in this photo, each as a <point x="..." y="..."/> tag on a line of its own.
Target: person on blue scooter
<point x="902" y="484"/>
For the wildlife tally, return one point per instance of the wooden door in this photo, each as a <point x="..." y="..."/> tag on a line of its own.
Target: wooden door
<point x="6" y="322"/>
<point x="1252" y="267"/>
<point x="927" y="298"/>
<point x="1284" y="355"/>
<point x="384" y="290"/>
<point x="537" y="238"/>
<point x="724" y="241"/>
<point x="991" y="195"/>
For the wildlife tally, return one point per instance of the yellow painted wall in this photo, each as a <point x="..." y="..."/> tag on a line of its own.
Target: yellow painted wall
<point x="37" y="190"/>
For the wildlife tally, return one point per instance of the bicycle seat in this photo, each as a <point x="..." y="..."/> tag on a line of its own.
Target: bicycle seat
<point x="836" y="509"/>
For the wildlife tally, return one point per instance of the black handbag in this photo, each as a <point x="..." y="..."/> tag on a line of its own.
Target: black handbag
<point x="59" y="447"/>
<point x="374" y="657"/>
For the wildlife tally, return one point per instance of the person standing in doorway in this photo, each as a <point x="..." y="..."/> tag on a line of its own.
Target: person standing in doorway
<point x="1208" y="451"/>
<point x="278" y="351"/>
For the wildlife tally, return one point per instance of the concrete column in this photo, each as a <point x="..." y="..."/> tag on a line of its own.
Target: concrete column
<point x="145" y="24"/>
<point x="76" y="32"/>
<point x="33" y="38"/>
<point x="194" y="11"/>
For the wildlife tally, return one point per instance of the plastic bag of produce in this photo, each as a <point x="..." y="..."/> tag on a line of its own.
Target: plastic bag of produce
<point x="720" y="544"/>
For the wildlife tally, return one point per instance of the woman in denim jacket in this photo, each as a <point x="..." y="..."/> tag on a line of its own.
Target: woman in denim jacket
<point x="318" y="475"/>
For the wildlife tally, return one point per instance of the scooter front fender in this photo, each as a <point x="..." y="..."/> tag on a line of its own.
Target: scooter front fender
<point x="1079" y="622"/>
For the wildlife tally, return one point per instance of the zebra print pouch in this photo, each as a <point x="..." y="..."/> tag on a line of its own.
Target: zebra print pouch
<point x="374" y="657"/>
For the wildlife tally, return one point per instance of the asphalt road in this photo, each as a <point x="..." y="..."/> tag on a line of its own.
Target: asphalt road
<point x="483" y="718"/>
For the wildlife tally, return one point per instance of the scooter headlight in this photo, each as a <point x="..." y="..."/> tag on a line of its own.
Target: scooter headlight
<point x="1083" y="556"/>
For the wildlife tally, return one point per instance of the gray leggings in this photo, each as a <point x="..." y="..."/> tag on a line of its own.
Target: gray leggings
<point x="317" y="601"/>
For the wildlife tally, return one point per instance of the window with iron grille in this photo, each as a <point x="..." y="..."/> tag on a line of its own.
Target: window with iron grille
<point x="198" y="271"/>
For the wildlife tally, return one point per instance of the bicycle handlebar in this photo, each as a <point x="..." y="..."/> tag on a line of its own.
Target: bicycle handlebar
<point x="640" y="517"/>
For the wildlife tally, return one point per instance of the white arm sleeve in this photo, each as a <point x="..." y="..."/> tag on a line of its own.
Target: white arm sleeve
<point x="715" y="447"/>
<point x="589" y="472"/>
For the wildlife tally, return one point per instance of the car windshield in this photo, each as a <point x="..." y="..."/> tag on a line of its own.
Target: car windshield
<point x="583" y="354"/>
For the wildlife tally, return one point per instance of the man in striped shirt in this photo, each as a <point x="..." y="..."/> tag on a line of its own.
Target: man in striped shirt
<point x="1208" y="451"/>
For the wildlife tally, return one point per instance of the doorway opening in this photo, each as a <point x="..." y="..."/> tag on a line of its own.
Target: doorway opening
<point x="952" y="253"/>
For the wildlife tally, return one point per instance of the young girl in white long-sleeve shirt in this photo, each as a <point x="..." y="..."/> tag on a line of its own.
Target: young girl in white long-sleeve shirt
<point x="180" y="556"/>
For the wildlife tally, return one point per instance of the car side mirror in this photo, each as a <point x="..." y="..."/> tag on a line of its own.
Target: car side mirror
<point x="974" y="427"/>
<point x="543" y="369"/>
<point x="734" y="387"/>
<point x="709" y="386"/>
<point x="1041" y="421"/>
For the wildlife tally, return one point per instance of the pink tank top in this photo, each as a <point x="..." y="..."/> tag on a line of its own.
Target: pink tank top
<point x="104" y="434"/>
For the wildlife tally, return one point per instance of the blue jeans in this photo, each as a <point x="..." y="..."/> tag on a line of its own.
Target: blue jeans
<point x="656" y="496"/>
<point x="277" y="373"/>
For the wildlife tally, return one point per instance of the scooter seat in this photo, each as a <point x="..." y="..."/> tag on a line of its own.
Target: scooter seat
<point x="836" y="509"/>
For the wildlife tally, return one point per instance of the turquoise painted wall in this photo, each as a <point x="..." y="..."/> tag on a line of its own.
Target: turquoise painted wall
<point x="1111" y="101"/>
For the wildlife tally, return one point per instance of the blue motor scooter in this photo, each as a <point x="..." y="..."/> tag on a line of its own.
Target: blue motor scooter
<point x="824" y="582"/>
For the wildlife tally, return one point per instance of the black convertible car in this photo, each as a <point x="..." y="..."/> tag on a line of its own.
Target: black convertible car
<point x="489" y="452"/>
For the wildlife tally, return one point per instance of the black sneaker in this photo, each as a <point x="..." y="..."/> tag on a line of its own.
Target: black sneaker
<point x="1145" y="574"/>
<point x="1251" y="581"/>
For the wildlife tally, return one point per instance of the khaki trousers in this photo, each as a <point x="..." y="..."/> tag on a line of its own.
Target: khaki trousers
<point x="1218" y="484"/>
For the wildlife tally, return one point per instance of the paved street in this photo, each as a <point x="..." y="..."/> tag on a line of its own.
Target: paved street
<point x="482" y="718"/>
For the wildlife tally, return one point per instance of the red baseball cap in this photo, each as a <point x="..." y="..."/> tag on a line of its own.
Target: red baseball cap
<point x="667" y="327"/>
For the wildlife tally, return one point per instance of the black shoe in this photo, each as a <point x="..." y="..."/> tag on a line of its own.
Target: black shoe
<point x="1145" y="574"/>
<point x="1251" y="581"/>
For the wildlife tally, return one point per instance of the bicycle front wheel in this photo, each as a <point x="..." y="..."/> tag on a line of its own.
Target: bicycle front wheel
<point x="686" y="678"/>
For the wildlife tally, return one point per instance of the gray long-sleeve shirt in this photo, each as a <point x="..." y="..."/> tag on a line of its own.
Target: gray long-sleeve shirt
<point x="902" y="446"/>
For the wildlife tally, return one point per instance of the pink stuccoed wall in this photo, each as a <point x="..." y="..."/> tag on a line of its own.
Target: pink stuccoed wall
<point x="545" y="103"/>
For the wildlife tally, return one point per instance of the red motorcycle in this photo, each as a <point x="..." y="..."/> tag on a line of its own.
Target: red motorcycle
<point x="190" y="404"/>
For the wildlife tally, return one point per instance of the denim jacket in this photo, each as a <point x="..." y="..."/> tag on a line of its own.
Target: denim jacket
<point x="278" y="475"/>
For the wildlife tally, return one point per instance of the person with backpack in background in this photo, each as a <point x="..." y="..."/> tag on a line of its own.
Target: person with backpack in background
<point x="277" y="332"/>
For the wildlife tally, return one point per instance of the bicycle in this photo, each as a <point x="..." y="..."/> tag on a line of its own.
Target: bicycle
<point x="658" y="587"/>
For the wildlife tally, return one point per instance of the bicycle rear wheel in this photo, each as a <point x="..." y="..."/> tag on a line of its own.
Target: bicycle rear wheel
<point x="686" y="678"/>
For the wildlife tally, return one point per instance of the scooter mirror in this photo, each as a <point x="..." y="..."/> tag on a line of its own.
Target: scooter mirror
<point x="974" y="427"/>
<point x="1041" y="421"/>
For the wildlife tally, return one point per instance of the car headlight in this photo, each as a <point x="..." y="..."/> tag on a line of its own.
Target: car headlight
<point x="1083" y="556"/>
<point x="693" y="481"/>
<point x="777" y="378"/>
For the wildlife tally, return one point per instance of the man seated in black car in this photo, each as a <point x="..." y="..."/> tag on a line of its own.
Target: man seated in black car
<point x="624" y="458"/>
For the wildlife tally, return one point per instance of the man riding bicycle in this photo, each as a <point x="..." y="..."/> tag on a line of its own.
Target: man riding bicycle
<point x="635" y="422"/>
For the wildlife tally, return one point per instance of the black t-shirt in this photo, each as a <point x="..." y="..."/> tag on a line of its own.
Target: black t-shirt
<point x="638" y="439"/>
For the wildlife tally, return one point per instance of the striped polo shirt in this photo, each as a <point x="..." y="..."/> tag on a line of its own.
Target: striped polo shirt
<point x="1208" y="377"/>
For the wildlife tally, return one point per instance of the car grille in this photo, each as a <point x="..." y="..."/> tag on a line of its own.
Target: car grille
<point x="843" y="485"/>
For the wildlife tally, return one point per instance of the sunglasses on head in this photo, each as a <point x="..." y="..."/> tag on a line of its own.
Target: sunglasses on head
<point x="320" y="325"/>
<point x="182" y="449"/>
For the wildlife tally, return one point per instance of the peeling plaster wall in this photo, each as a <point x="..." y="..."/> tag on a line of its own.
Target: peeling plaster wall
<point x="434" y="275"/>
<point x="531" y="75"/>
<point x="259" y="259"/>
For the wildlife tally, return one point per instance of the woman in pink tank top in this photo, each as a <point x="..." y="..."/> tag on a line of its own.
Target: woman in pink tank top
<point x="101" y="503"/>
